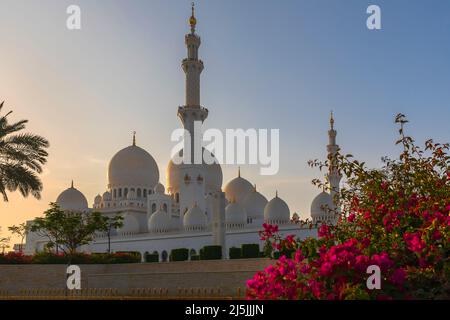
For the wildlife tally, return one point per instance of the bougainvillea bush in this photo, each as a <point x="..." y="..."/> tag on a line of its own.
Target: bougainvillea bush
<point x="396" y="218"/>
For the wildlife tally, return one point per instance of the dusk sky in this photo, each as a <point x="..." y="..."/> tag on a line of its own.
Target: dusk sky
<point x="268" y="64"/>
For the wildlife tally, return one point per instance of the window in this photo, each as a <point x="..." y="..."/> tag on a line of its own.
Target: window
<point x="139" y="193"/>
<point x="153" y="207"/>
<point x="115" y="193"/>
<point x="145" y="193"/>
<point x="165" y="207"/>
<point x="125" y="192"/>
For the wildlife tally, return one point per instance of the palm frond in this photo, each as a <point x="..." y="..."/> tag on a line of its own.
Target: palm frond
<point x="21" y="158"/>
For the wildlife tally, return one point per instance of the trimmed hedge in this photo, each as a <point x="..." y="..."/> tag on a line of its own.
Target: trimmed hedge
<point x="181" y="254"/>
<point x="235" y="253"/>
<point x="78" y="258"/>
<point x="151" y="257"/>
<point x="211" y="253"/>
<point x="250" y="250"/>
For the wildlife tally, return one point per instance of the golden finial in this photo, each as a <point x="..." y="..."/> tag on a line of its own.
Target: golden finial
<point x="192" y="20"/>
<point x="134" y="138"/>
<point x="239" y="172"/>
<point x="332" y="120"/>
<point x="71" y="184"/>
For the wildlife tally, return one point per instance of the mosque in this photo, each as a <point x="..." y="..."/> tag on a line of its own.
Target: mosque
<point x="193" y="210"/>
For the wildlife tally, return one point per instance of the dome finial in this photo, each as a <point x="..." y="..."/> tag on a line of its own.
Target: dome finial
<point x="192" y="19"/>
<point x="134" y="138"/>
<point x="239" y="172"/>
<point x="332" y="120"/>
<point x="254" y="187"/>
<point x="276" y="194"/>
<point x="71" y="185"/>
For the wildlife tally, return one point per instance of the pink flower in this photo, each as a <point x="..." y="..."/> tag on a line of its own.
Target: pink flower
<point x="414" y="242"/>
<point x="351" y="217"/>
<point x="398" y="277"/>
<point x="324" y="231"/>
<point x="326" y="269"/>
<point x="361" y="263"/>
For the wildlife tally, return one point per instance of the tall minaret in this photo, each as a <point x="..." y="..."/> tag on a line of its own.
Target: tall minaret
<point x="192" y="66"/>
<point x="333" y="175"/>
<point x="192" y="175"/>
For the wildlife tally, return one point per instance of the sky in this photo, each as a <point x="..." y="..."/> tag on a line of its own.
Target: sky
<point x="268" y="64"/>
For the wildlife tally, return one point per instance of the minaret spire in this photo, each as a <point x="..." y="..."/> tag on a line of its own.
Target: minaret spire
<point x="192" y="19"/>
<point x="331" y="120"/>
<point x="333" y="175"/>
<point x="192" y="111"/>
<point x="192" y="115"/>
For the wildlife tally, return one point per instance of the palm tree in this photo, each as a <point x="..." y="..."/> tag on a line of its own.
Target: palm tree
<point x="21" y="158"/>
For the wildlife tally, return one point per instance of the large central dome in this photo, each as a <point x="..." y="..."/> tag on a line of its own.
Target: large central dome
<point x="133" y="166"/>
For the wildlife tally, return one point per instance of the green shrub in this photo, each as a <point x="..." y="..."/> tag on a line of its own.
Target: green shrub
<point x="48" y="258"/>
<point x="211" y="253"/>
<point x="125" y="257"/>
<point x="14" y="258"/>
<point x="235" y="253"/>
<point x="84" y="258"/>
<point x="250" y="250"/>
<point x="195" y="257"/>
<point x="151" y="257"/>
<point x="181" y="254"/>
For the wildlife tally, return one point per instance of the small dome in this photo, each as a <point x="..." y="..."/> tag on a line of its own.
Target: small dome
<point x="277" y="211"/>
<point x="72" y="199"/>
<point x="321" y="204"/>
<point x="237" y="189"/>
<point x="106" y="196"/>
<point x="213" y="175"/>
<point x="194" y="219"/>
<point x="254" y="204"/>
<point x="133" y="166"/>
<point x="159" y="222"/>
<point x="235" y="214"/>
<point x="159" y="188"/>
<point x="98" y="199"/>
<point x="130" y="224"/>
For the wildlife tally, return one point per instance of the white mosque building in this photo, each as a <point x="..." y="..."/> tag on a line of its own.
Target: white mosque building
<point x="194" y="210"/>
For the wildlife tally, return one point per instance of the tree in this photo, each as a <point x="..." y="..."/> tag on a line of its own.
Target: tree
<point x="21" y="230"/>
<point x="110" y="224"/>
<point x="68" y="230"/>
<point x="21" y="158"/>
<point x="4" y="242"/>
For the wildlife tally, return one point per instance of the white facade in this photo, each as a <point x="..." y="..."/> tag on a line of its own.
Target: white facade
<point x="193" y="211"/>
